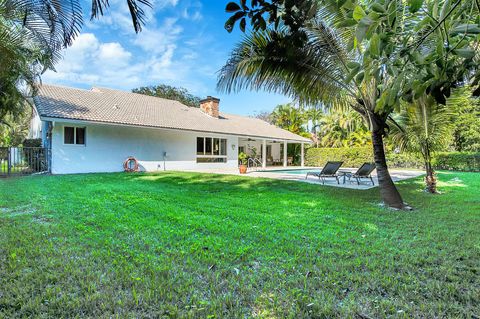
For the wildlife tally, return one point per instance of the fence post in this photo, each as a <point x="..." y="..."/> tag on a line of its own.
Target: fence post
<point x="9" y="161"/>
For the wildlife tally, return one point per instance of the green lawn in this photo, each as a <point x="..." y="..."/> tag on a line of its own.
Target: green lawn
<point x="193" y="245"/>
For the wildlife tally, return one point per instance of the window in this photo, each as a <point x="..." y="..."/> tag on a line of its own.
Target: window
<point x="200" y="146"/>
<point x="80" y="136"/>
<point x="211" y="150"/>
<point x="223" y="147"/>
<point x="208" y="146"/>
<point x="216" y="146"/>
<point x="68" y="135"/>
<point x="74" y="135"/>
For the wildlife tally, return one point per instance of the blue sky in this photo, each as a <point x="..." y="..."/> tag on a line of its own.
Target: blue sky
<point x="183" y="44"/>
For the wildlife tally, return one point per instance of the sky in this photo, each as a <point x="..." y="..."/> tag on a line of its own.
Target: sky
<point x="183" y="44"/>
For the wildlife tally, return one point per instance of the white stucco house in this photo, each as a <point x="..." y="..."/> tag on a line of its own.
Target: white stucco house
<point x="96" y="130"/>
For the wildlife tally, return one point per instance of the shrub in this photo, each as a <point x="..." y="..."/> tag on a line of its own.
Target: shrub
<point x="457" y="161"/>
<point x="351" y="156"/>
<point x="405" y="160"/>
<point x="32" y="142"/>
<point x="356" y="156"/>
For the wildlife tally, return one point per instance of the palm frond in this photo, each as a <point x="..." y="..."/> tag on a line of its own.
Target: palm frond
<point x="422" y="126"/>
<point x="268" y="61"/>
<point x="56" y="22"/>
<point x="135" y="8"/>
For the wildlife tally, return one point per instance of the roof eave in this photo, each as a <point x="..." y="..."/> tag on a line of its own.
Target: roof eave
<point x="71" y="120"/>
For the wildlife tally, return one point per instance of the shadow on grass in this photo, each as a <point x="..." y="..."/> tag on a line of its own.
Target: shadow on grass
<point x="220" y="182"/>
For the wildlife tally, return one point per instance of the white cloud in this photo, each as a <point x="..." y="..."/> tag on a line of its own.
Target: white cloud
<point x="77" y="55"/>
<point x="90" y="62"/>
<point x="117" y="16"/>
<point x="158" y="40"/>
<point x="161" y="53"/>
<point x="192" y="16"/>
<point x="114" y="53"/>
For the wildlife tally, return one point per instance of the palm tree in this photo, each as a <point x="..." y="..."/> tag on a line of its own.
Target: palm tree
<point x="358" y="53"/>
<point x="14" y="128"/>
<point x="314" y="115"/>
<point x="289" y="118"/>
<point x="314" y="72"/>
<point x="424" y="127"/>
<point x="32" y="35"/>
<point x="343" y="129"/>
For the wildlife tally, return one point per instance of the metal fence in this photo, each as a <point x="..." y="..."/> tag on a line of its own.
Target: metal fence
<point x="24" y="160"/>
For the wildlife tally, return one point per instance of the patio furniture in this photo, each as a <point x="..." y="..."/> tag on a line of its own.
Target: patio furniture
<point x="365" y="171"/>
<point x="277" y="162"/>
<point x="269" y="160"/>
<point x="329" y="170"/>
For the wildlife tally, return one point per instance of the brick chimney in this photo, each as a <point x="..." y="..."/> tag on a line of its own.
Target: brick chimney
<point x="210" y="106"/>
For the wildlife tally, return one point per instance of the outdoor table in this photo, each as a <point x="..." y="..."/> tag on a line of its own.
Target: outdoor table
<point x="344" y="173"/>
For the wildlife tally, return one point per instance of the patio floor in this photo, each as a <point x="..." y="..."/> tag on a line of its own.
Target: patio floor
<point x="276" y="173"/>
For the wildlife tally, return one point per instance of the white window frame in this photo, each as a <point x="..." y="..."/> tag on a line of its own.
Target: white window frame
<point x="211" y="155"/>
<point x="74" y="135"/>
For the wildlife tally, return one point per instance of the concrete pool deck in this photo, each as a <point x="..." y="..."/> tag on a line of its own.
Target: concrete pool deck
<point x="279" y="173"/>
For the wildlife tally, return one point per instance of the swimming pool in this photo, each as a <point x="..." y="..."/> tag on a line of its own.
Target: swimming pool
<point x="293" y="171"/>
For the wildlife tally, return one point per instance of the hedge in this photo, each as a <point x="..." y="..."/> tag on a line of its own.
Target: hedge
<point x="405" y="160"/>
<point x="356" y="156"/>
<point x="32" y="142"/>
<point x="457" y="161"/>
<point x="351" y="157"/>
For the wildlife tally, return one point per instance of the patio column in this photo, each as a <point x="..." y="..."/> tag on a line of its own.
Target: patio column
<point x="302" y="155"/>
<point x="264" y="154"/>
<point x="285" y="162"/>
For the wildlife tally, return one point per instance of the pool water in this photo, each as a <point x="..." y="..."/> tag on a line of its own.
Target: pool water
<point x="293" y="171"/>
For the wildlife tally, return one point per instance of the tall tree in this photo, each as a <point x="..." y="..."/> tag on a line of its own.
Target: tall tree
<point x="356" y="52"/>
<point x="293" y="119"/>
<point x="14" y="128"/>
<point x="288" y="117"/>
<point x="171" y="93"/>
<point x="466" y="135"/>
<point x="343" y="129"/>
<point x="264" y="116"/>
<point x="32" y="35"/>
<point x="424" y="128"/>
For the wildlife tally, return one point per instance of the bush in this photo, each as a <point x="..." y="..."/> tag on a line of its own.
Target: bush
<point x="32" y="142"/>
<point x="457" y="161"/>
<point x="351" y="156"/>
<point x="405" y="160"/>
<point x="356" y="156"/>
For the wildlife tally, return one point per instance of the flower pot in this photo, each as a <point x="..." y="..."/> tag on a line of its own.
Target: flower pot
<point x="242" y="169"/>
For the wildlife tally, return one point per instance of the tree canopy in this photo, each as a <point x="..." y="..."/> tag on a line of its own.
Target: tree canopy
<point x="466" y="134"/>
<point x="366" y="54"/>
<point x="171" y="93"/>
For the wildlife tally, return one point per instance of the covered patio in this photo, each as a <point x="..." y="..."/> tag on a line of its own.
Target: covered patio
<point x="269" y="153"/>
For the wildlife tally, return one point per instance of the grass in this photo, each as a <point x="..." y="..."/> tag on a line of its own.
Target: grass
<point x="210" y="246"/>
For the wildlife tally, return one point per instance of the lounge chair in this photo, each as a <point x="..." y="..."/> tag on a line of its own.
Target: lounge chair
<point x="329" y="170"/>
<point x="365" y="171"/>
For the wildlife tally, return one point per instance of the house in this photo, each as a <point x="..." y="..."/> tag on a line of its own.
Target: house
<point x="96" y="130"/>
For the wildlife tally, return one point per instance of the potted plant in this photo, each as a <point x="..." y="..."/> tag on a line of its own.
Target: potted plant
<point x="242" y="158"/>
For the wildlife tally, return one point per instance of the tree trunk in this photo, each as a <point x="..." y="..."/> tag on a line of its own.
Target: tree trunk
<point x="430" y="178"/>
<point x="388" y="191"/>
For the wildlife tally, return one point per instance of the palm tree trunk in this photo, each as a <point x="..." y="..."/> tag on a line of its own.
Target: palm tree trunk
<point x="430" y="179"/>
<point x="388" y="191"/>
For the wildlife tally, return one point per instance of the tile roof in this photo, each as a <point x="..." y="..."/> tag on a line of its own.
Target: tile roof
<point x="119" y="107"/>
